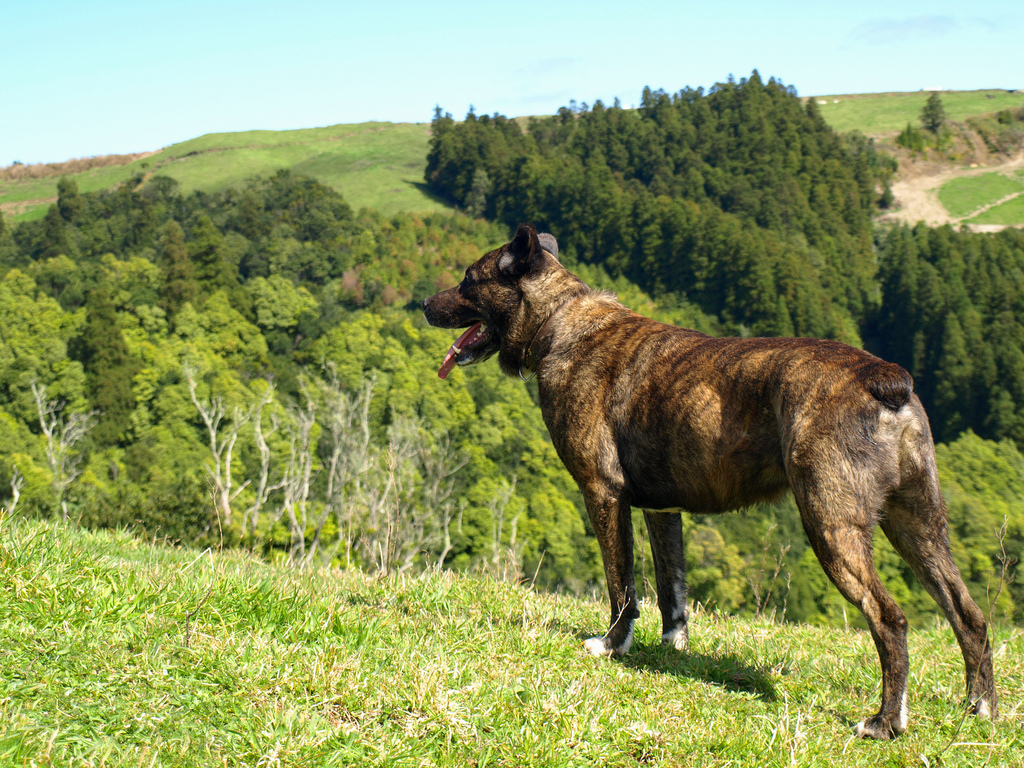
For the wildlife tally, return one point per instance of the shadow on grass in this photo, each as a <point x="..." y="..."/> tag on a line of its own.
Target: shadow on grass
<point x="727" y="670"/>
<point x="426" y="191"/>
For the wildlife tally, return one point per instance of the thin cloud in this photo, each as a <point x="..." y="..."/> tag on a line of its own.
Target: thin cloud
<point x="888" y="31"/>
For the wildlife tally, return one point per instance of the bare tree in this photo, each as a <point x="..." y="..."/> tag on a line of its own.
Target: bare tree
<point x="298" y="476"/>
<point x="251" y="518"/>
<point x="504" y="560"/>
<point x="439" y="463"/>
<point x="17" y="481"/>
<point x="222" y="444"/>
<point x="350" y="454"/>
<point x="61" y="437"/>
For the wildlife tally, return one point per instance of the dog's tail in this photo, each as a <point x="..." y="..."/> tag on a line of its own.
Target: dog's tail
<point x="889" y="384"/>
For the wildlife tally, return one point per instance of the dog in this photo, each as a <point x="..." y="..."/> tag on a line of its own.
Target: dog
<point x="664" y="419"/>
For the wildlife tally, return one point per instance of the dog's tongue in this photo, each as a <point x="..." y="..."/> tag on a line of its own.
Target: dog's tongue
<point x="454" y="349"/>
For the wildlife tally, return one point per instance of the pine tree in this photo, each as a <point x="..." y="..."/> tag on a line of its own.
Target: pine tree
<point x="210" y="265"/>
<point x="69" y="202"/>
<point x="933" y="115"/>
<point x="179" y="281"/>
<point x="109" y="368"/>
<point x="55" y="237"/>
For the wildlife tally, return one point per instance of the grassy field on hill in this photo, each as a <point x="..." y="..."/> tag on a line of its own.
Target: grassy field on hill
<point x="375" y="165"/>
<point x="969" y="193"/>
<point x="1010" y="212"/>
<point x="880" y="114"/>
<point x="380" y="165"/>
<point x="119" y="652"/>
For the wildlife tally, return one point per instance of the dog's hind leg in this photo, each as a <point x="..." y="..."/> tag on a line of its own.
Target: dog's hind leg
<point x="610" y="516"/>
<point x="668" y="551"/>
<point x="915" y="523"/>
<point x="840" y="534"/>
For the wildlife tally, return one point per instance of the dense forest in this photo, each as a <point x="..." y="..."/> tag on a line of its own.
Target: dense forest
<point x="250" y="368"/>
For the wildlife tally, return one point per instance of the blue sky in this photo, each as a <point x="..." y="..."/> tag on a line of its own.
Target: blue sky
<point x="84" y="78"/>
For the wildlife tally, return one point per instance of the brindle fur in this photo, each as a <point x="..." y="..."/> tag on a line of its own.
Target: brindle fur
<point x="652" y="416"/>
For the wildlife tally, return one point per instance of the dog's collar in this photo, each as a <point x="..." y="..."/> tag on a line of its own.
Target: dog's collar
<point x="532" y="357"/>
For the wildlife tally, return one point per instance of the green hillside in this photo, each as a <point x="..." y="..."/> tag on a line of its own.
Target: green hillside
<point x="380" y="165"/>
<point x="880" y="114"/>
<point x="374" y="165"/>
<point x="121" y="653"/>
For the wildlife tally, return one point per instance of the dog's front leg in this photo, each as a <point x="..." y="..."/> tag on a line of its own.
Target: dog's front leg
<point x="610" y="518"/>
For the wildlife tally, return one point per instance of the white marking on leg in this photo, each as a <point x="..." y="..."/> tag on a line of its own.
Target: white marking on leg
<point x="901" y="721"/>
<point x="983" y="709"/>
<point x="679" y="588"/>
<point x="677" y="638"/>
<point x="599" y="645"/>
<point x="627" y="643"/>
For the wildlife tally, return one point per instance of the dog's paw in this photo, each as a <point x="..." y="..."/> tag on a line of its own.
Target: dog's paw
<point x="678" y="638"/>
<point x="598" y="646"/>
<point x="878" y="727"/>
<point x="984" y="710"/>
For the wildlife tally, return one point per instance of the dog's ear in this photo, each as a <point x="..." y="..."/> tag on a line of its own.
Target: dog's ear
<point x="520" y="254"/>
<point x="548" y="243"/>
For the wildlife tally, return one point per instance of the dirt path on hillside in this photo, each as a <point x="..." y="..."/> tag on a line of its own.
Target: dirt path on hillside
<point x="13" y="209"/>
<point x="916" y="190"/>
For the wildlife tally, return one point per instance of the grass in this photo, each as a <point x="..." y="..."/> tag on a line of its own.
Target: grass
<point x="118" y="652"/>
<point x="1010" y="213"/>
<point x="375" y="165"/>
<point x="882" y="114"/>
<point x="966" y="194"/>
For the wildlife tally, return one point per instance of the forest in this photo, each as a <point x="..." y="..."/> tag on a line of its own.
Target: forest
<point x="250" y="368"/>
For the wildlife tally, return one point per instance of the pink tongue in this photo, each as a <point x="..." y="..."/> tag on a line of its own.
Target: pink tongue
<point x="454" y="349"/>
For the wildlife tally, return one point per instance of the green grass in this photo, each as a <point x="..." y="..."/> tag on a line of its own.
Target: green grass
<point x="376" y="165"/>
<point x="879" y="114"/>
<point x="969" y="193"/>
<point x="1010" y="212"/>
<point x="332" y="668"/>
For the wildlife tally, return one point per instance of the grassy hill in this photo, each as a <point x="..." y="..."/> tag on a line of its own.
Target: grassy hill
<point x="377" y="165"/>
<point x="380" y="165"/>
<point x="119" y="652"/>
<point x="882" y="114"/>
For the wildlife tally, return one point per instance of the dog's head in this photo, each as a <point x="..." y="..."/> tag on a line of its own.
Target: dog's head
<point x="503" y="300"/>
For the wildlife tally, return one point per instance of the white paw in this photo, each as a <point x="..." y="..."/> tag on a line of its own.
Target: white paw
<point x="983" y="710"/>
<point x="677" y="638"/>
<point x="597" y="646"/>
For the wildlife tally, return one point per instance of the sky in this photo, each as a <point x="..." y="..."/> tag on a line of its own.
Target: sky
<point x="81" y="78"/>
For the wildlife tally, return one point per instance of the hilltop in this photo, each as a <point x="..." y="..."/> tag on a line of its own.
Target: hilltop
<point x="882" y="115"/>
<point x="380" y="165"/>
<point x="374" y="165"/>
<point x="122" y="652"/>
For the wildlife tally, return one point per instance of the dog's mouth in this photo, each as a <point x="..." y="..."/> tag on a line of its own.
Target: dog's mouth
<point x="471" y="347"/>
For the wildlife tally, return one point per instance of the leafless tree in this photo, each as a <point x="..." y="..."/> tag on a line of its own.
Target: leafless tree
<point x="222" y="444"/>
<point x="504" y="559"/>
<point x="17" y="481"/>
<point x="264" y="487"/>
<point x="61" y="437"/>
<point x="389" y="527"/>
<point x="439" y="463"/>
<point x="298" y="476"/>
<point x="350" y="454"/>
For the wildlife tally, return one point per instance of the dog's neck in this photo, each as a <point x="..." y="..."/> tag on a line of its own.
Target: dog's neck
<point x="536" y="348"/>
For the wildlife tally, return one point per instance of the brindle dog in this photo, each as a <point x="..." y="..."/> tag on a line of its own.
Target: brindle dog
<point x="662" y="418"/>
